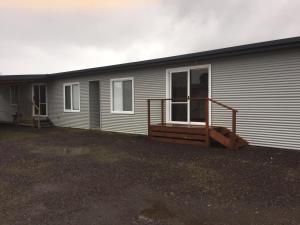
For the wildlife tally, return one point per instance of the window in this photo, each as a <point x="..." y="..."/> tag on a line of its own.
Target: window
<point x="122" y="95"/>
<point x="72" y="97"/>
<point x="14" y="95"/>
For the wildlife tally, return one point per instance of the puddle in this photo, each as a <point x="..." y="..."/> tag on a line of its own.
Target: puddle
<point x="158" y="211"/>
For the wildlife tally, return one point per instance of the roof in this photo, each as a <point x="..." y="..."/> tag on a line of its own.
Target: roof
<point x="223" y="52"/>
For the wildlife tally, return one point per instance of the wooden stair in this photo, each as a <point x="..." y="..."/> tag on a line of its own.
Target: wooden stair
<point x="44" y="122"/>
<point x="227" y="138"/>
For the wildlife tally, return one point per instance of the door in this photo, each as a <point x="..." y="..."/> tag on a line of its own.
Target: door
<point x="179" y="94"/>
<point x="94" y="104"/>
<point x="189" y="87"/>
<point x="39" y="96"/>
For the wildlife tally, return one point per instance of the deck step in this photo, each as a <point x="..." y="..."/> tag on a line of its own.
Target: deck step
<point x="227" y="138"/>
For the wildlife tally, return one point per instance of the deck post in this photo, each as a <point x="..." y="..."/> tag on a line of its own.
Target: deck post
<point x="149" y="117"/>
<point x="207" y="121"/>
<point x="39" y="119"/>
<point x="234" y="129"/>
<point x="162" y="112"/>
<point x="234" y="121"/>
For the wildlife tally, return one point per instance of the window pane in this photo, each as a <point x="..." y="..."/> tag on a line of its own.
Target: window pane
<point x="13" y="93"/>
<point x="117" y="96"/>
<point x="179" y="112"/>
<point x="67" y="97"/>
<point x="43" y="109"/>
<point x="198" y="89"/>
<point x="76" y="97"/>
<point x="179" y="86"/>
<point x="42" y="94"/>
<point x="127" y="95"/>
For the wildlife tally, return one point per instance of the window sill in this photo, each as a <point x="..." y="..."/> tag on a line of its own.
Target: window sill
<point x="122" y="112"/>
<point x="71" y="111"/>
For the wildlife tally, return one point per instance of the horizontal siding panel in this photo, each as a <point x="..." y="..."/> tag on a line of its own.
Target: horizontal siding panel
<point x="263" y="87"/>
<point x="265" y="90"/>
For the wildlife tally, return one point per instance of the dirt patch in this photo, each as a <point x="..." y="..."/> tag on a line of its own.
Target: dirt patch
<point x="68" y="176"/>
<point x="157" y="211"/>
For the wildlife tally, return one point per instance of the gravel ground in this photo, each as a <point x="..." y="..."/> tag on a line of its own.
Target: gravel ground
<point x="78" y="177"/>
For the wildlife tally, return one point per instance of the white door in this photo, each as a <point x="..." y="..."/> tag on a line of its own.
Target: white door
<point x="39" y="97"/>
<point x="188" y="88"/>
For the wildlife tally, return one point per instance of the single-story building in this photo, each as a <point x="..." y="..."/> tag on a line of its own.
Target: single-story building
<point x="251" y="90"/>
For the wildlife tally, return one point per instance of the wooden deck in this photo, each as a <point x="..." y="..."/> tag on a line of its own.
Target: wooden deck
<point x="195" y="135"/>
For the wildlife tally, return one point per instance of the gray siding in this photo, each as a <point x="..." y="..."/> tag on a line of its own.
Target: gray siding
<point x="6" y="109"/>
<point x="25" y="107"/>
<point x="150" y="83"/>
<point x="265" y="88"/>
<point x="56" y="104"/>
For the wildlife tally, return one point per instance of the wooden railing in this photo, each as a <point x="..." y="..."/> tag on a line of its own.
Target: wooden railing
<point x="39" y="115"/>
<point x="207" y="100"/>
<point x="34" y="107"/>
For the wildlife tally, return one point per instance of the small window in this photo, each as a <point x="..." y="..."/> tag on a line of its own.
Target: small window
<point x="122" y="95"/>
<point x="14" y="95"/>
<point x="72" y="97"/>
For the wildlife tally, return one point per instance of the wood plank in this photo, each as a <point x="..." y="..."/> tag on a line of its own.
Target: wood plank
<point x="179" y="135"/>
<point x="219" y="137"/>
<point x="179" y="141"/>
<point x="183" y="130"/>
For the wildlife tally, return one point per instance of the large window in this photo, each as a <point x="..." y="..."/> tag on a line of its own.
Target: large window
<point x="71" y="97"/>
<point x="14" y="94"/>
<point x="122" y="95"/>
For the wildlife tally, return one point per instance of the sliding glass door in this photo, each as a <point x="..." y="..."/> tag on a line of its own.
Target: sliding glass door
<point x="188" y="89"/>
<point x="39" y="95"/>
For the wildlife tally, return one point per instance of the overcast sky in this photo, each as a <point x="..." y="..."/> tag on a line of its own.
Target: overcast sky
<point x="45" y="36"/>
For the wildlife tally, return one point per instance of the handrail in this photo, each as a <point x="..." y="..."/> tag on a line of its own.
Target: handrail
<point x="39" y="110"/>
<point x="193" y="99"/>
<point x="207" y="100"/>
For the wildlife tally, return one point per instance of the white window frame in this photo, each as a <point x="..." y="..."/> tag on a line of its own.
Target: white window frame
<point x="169" y="71"/>
<point x="15" y="86"/>
<point x="71" y="91"/>
<point x="32" y="95"/>
<point x="111" y="95"/>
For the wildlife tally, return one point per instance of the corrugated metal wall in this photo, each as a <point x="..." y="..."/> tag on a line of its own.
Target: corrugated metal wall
<point x="265" y="88"/>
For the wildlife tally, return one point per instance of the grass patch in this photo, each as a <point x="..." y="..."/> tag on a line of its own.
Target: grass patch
<point x="103" y="155"/>
<point x="16" y="135"/>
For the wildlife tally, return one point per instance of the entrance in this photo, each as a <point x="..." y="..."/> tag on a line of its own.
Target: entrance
<point x="188" y="89"/>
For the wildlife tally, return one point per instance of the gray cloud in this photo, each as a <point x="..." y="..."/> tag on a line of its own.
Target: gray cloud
<point x="51" y="41"/>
